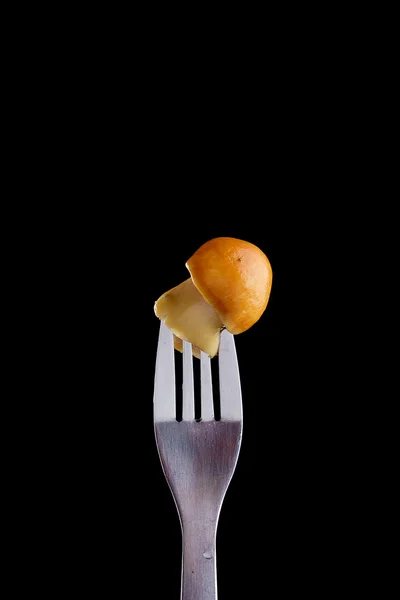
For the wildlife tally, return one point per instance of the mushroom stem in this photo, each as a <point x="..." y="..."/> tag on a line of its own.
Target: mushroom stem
<point x="186" y="313"/>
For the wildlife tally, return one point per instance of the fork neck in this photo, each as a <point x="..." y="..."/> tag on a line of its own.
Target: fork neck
<point x="199" y="581"/>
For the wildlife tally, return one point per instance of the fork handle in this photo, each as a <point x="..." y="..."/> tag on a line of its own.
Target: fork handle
<point x="199" y="567"/>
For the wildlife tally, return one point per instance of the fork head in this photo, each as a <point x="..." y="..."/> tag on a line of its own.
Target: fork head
<point x="198" y="457"/>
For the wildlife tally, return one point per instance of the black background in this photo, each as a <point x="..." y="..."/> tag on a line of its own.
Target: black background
<point x="127" y="155"/>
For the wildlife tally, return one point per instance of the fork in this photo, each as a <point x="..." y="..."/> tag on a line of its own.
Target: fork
<point x="198" y="457"/>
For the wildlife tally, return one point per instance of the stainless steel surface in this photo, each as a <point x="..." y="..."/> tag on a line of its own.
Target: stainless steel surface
<point x="198" y="458"/>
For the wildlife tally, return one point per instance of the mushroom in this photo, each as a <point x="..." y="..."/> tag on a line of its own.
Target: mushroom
<point x="229" y="287"/>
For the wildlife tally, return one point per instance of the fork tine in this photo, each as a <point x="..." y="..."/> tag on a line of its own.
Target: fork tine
<point x="206" y="393"/>
<point x="188" y="384"/>
<point x="229" y="379"/>
<point x="164" y="379"/>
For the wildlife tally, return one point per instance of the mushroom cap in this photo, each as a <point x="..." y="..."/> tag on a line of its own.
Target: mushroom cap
<point x="235" y="278"/>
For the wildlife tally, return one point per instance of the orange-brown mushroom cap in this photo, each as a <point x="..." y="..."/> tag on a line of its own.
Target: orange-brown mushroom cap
<point x="235" y="278"/>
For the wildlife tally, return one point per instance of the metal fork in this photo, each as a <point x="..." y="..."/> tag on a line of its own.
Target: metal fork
<point x="198" y="458"/>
